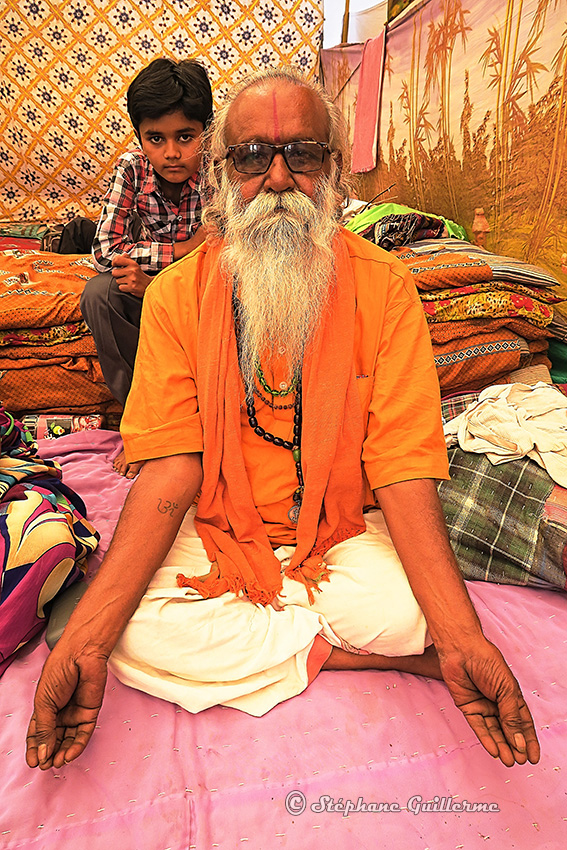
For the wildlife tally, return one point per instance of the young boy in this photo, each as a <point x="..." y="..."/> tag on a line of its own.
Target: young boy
<point x="151" y="215"/>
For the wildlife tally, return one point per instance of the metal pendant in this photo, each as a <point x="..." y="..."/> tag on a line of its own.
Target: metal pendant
<point x="293" y="514"/>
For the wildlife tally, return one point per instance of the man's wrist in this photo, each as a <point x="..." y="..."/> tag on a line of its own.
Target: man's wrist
<point x="460" y="640"/>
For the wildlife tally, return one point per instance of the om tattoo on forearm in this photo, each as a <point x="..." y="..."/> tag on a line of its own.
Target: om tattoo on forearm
<point x="167" y="507"/>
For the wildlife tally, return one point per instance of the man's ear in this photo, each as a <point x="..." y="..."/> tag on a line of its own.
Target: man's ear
<point x="217" y="168"/>
<point x="338" y="157"/>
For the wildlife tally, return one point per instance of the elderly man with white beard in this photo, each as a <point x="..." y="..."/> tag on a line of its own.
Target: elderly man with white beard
<point x="285" y="377"/>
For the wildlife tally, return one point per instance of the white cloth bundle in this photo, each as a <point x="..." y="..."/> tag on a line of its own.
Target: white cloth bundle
<point x="510" y="421"/>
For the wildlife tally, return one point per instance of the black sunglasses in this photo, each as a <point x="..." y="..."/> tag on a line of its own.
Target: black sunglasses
<point x="256" y="158"/>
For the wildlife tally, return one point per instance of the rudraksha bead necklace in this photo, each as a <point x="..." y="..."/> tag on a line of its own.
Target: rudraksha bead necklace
<point x="294" y="446"/>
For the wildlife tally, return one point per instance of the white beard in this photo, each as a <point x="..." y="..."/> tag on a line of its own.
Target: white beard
<point x="278" y="250"/>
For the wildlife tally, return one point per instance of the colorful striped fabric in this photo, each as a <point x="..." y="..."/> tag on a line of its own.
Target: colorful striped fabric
<point x="44" y="537"/>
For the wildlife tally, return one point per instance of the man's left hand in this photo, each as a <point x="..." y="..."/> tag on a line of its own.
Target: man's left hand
<point x="484" y="688"/>
<point x="129" y="276"/>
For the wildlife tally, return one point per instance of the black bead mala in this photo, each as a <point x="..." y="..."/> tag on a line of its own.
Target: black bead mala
<point x="294" y="447"/>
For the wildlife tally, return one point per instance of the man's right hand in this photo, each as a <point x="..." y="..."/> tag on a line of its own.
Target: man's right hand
<point x="66" y="706"/>
<point x="71" y="688"/>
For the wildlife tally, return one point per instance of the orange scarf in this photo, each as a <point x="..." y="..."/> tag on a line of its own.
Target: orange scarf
<point x="227" y="520"/>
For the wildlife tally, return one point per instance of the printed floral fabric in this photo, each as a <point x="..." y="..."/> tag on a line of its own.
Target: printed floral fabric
<point x="53" y="336"/>
<point x="45" y="537"/>
<point x="66" y="65"/>
<point x="493" y="303"/>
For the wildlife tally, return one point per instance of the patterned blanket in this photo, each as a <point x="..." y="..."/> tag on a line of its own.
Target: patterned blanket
<point x="41" y="290"/>
<point x="44" y="537"/>
<point x="48" y="358"/>
<point x="501" y="268"/>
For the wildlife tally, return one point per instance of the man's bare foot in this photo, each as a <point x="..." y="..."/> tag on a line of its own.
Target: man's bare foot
<point x="420" y="665"/>
<point x="128" y="470"/>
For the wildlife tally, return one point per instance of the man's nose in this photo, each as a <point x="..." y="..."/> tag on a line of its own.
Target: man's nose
<point x="279" y="178"/>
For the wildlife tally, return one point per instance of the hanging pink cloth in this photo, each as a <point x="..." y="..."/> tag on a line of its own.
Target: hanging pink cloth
<point x="366" y="119"/>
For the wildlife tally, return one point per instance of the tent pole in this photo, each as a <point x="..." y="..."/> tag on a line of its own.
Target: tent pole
<point x="344" y="36"/>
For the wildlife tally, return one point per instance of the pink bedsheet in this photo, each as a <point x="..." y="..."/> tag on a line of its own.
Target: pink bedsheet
<point x="155" y="777"/>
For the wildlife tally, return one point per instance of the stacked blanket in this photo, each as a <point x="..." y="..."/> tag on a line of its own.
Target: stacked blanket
<point x="48" y="359"/>
<point x="488" y="315"/>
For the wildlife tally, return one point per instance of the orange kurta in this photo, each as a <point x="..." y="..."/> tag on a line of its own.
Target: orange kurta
<point x="393" y="362"/>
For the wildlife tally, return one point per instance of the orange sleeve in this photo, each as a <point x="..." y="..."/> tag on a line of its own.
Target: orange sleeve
<point x="161" y="417"/>
<point x="398" y="380"/>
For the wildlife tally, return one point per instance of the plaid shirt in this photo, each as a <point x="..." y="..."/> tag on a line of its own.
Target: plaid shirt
<point x="135" y="189"/>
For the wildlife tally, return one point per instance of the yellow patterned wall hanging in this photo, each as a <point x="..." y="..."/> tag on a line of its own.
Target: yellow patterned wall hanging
<point x="66" y="65"/>
<point x="474" y="116"/>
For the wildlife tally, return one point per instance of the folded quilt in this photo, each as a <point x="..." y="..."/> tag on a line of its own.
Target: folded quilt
<point x="41" y="290"/>
<point x="48" y="336"/>
<point x="442" y="269"/>
<point x="481" y="305"/>
<point x="516" y="420"/>
<point x="74" y="386"/>
<point x="524" y="294"/>
<point x="442" y="332"/>
<point x="478" y="360"/>
<point x="502" y="267"/>
<point x="84" y="346"/>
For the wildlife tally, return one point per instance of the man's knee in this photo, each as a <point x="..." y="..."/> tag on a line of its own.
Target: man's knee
<point x="403" y="631"/>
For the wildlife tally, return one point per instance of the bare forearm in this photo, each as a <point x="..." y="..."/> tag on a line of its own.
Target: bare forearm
<point x="416" y="524"/>
<point x="146" y="530"/>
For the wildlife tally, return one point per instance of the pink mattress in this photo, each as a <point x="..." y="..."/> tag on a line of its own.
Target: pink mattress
<point x="155" y="777"/>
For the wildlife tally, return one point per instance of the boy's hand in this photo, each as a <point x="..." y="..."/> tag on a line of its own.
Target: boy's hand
<point x="129" y="276"/>
<point x="181" y="249"/>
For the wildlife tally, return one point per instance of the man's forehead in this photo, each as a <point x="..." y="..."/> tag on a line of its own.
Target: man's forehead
<point x="277" y="111"/>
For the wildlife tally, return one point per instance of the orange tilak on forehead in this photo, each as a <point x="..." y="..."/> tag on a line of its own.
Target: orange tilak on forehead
<point x="275" y="118"/>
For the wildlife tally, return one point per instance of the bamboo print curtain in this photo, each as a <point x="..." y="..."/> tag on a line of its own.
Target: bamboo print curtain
<point x="474" y="114"/>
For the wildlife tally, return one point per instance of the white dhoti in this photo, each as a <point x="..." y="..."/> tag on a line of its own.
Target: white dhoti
<point x="229" y="651"/>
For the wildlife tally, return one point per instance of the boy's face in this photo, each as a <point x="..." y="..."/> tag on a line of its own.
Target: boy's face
<point x="172" y="144"/>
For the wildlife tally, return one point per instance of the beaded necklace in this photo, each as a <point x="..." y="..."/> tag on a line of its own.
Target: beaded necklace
<point x="281" y="393"/>
<point x="270" y="401"/>
<point x="293" y="446"/>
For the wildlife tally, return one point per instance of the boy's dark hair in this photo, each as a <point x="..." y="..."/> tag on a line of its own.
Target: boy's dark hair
<point x="165" y="86"/>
